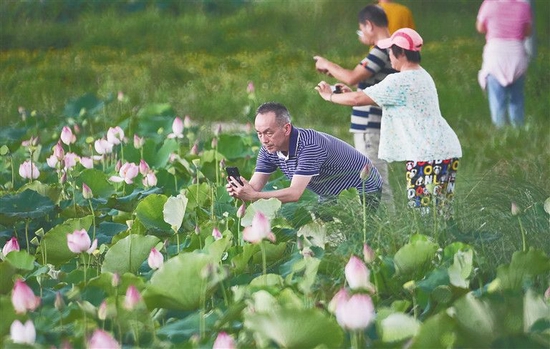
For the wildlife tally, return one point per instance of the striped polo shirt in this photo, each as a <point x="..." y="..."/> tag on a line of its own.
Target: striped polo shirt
<point x="333" y="164"/>
<point x="364" y="117"/>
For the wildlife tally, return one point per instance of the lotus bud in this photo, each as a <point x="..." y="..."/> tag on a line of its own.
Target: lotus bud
<point x="241" y="211"/>
<point x="357" y="274"/>
<point x="67" y="135"/>
<point x="59" y="303"/>
<point x="133" y="297"/>
<point x="155" y="259"/>
<point x="86" y="192"/>
<point x="365" y="172"/>
<point x="115" y="280"/>
<point x="355" y="314"/>
<point x="216" y="234"/>
<point x="224" y="341"/>
<point x="368" y="254"/>
<point x="23" y="298"/>
<point x="101" y="340"/>
<point x="515" y="209"/>
<point x="11" y="245"/>
<point x="23" y="334"/>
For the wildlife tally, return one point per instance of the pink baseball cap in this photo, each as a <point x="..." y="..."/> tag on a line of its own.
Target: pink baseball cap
<point x="405" y="38"/>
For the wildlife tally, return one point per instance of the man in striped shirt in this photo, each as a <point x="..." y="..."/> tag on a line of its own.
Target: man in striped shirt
<point x="366" y="120"/>
<point x="309" y="159"/>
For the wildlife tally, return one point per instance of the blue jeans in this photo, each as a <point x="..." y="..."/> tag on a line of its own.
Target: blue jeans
<point x="506" y="97"/>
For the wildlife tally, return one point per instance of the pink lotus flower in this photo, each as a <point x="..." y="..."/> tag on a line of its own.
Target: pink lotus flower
<point x="29" y="170"/>
<point x="241" y="211"/>
<point x="102" y="340"/>
<point x="22" y="297"/>
<point x="340" y="296"/>
<point x="357" y="275"/>
<point x="194" y="149"/>
<point x="357" y="313"/>
<point x="138" y="142"/>
<point x="216" y="234"/>
<point x="102" y="146"/>
<point x="177" y="128"/>
<point x="365" y="172"/>
<point x="102" y="311"/>
<point x="144" y="168"/>
<point x="86" y="192"/>
<point x="87" y="162"/>
<point x="515" y="209"/>
<point x="150" y="180"/>
<point x="71" y="159"/>
<point x="133" y="297"/>
<point x="115" y="280"/>
<point x="259" y="230"/>
<point x="67" y="135"/>
<point x="58" y="151"/>
<point x="52" y="161"/>
<point x="127" y="173"/>
<point x="155" y="259"/>
<point x="224" y="341"/>
<point x="79" y="241"/>
<point x="11" y="245"/>
<point x="115" y="135"/>
<point x="368" y="254"/>
<point x="23" y="334"/>
<point x="250" y="88"/>
<point x="32" y="142"/>
<point x="187" y="121"/>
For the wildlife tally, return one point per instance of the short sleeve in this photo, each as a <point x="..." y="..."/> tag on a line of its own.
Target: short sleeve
<point x="388" y="92"/>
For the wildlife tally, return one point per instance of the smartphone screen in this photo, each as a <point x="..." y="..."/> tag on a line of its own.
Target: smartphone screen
<point x="234" y="172"/>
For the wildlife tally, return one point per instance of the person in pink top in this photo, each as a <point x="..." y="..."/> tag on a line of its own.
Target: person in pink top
<point x="506" y="24"/>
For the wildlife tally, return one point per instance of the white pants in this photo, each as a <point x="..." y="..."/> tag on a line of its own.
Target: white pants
<point x="367" y="143"/>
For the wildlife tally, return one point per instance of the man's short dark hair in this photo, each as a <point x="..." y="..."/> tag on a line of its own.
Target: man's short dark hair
<point x="374" y="14"/>
<point x="281" y="113"/>
<point x="412" y="56"/>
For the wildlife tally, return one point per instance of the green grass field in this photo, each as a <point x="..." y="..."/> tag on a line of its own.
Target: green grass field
<point x="199" y="57"/>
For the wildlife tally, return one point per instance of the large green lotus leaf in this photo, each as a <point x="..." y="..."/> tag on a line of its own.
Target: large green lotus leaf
<point x="129" y="202"/>
<point x="269" y="207"/>
<point x="7" y="271"/>
<point x="412" y="258"/>
<point x="53" y="247"/>
<point x="162" y="155"/>
<point x="234" y="146"/>
<point x="476" y="320"/>
<point x="52" y="191"/>
<point x="174" y="210"/>
<point x="179" y="283"/>
<point x="297" y="328"/>
<point x="20" y="260"/>
<point x="149" y="212"/>
<point x="127" y="255"/>
<point x="178" y="331"/>
<point x="26" y="204"/>
<point x="438" y="331"/>
<point x="461" y="269"/>
<point x="97" y="181"/>
<point x="398" y="326"/>
<point x="198" y="195"/>
<point x="534" y="309"/>
<point x="524" y="265"/>
<point x="11" y="134"/>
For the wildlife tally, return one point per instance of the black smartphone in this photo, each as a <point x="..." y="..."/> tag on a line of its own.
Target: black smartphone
<point x="234" y="172"/>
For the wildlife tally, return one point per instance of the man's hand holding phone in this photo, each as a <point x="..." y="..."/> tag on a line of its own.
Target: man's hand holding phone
<point x="233" y="173"/>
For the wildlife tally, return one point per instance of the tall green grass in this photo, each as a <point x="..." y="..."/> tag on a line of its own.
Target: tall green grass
<point x="200" y="59"/>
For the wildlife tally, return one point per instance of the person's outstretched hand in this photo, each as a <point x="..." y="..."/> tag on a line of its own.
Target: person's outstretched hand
<point x="321" y="64"/>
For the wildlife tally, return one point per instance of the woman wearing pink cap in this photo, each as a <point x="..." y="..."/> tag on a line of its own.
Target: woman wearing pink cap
<point x="413" y="129"/>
